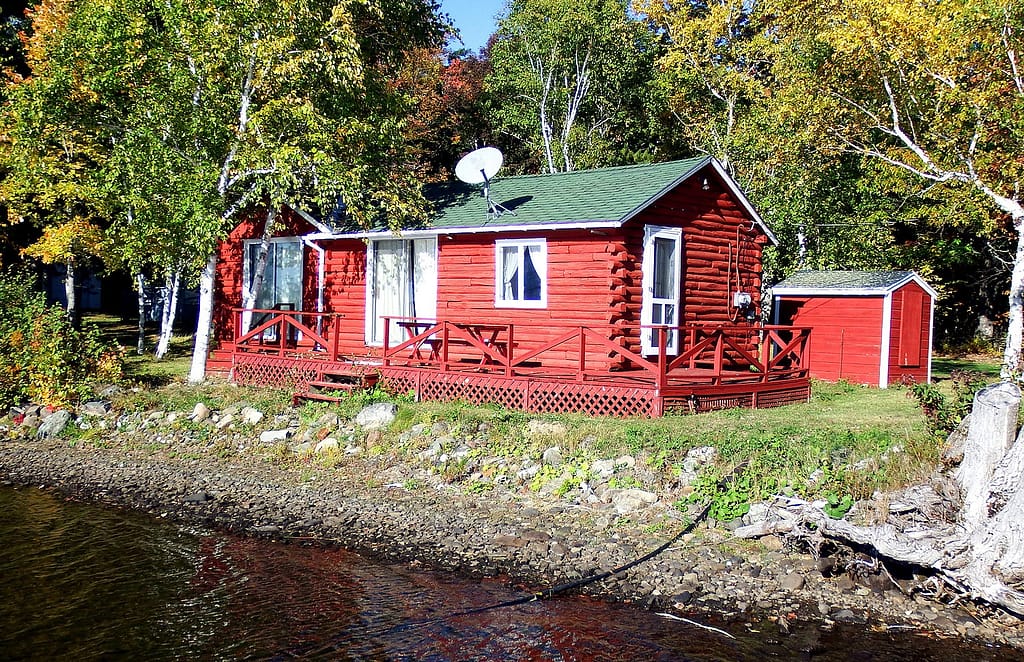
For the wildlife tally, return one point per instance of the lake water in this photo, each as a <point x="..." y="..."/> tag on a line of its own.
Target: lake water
<point x="82" y="582"/>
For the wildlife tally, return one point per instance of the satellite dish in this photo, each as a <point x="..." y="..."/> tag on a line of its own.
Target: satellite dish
<point x="478" y="167"/>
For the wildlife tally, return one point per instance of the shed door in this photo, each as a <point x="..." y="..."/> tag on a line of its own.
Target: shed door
<point x="661" y="280"/>
<point x="911" y="314"/>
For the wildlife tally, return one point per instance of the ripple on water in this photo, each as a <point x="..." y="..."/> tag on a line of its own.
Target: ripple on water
<point x="79" y="582"/>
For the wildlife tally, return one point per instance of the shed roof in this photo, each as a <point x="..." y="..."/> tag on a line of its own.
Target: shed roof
<point x="841" y="283"/>
<point x="602" y="197"/>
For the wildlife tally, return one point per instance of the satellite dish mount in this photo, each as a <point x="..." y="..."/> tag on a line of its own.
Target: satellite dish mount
<point x="478" y="167"/>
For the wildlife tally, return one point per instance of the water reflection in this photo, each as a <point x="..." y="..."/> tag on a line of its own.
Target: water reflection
<point x="81" y="582"/>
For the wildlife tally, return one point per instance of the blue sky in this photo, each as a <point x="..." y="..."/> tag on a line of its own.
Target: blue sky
<point x="474" y="19"/>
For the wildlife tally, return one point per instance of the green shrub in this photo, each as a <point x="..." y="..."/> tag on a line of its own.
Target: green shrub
<point x="43" y="357"/>
<point x="945" y="412"/>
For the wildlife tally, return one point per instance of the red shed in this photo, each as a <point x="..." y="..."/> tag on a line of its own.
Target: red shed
<point x="867" y="327"/>
<point x="592" y="279"/>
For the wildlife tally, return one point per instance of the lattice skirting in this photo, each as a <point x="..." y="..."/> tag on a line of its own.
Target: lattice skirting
<point x="775" y="395"/>
<point x="283" y="372"/>
<point x="523" y="394"/>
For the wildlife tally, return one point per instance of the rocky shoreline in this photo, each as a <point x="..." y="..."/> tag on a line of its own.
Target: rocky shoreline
<point x="248" y="475"/>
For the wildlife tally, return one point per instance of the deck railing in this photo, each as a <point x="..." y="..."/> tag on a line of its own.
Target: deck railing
<point x="709" y="354"/>
<point x="706" y="354"/>
<point x="287" y="332"/>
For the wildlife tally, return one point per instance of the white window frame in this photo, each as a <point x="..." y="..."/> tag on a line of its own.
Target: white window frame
<point x="247" y="268"/>
<point x="540" y="264"/>
<point x="370" y="307"/>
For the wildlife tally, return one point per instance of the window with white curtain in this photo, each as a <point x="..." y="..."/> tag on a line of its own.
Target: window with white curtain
<point x="520" y="274"/>
<point x="402" y="282"/>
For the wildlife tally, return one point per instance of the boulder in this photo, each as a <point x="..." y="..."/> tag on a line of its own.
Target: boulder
<point x="376" y="416"/>
<point x="95" y="408"/>
<point x="54" y="424"/>
<point x="200" y="412"/>
<point x="251" y="415"/>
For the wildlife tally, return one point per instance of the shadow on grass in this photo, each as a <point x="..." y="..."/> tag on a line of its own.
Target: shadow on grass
<point x="943" y="367"/>
<point x="145" y="369"/>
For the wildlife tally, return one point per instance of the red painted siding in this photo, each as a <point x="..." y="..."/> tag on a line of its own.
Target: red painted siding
<point x="227" y="290"/>
<point x="593" y="278"/>
<point x="846" y="335"/>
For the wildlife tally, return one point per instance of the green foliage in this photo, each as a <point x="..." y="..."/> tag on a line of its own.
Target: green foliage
<point x="730" y="497"/>
<point x="945" y="411"/>
<point x="836" y="507"/>
<point x="571" y="84"/>
<point x="43" y="358"/>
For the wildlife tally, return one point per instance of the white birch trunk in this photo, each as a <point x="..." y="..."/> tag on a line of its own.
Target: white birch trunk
<point x="140" y="289"/>
<point x="1015" y="320"/>
<point x="204" y="323"/>
<point x="169" y="313"/>
<point x="259" y="271"/>
<point x="71" y="309"/>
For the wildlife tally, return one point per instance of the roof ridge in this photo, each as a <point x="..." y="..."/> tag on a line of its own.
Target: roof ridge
<point x="586" y="171"/>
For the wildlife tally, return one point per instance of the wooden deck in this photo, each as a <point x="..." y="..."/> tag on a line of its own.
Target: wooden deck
<point x="586" y="369"/>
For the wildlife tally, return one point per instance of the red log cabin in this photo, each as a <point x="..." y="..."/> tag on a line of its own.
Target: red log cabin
<point x="619" y="291"/>
<point x="869" y="327"/>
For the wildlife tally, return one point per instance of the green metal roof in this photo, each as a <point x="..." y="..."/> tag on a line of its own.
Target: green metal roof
<point x="839" y="281"/>
<point x="604" y="195"/>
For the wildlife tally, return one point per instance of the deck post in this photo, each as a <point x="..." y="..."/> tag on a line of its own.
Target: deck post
<point x="508" y="351"/>
<point x="335" y="330"/>
<point x="582" y="370"/>
<point x="662" y="362"/>
<point x="444" y="347"/>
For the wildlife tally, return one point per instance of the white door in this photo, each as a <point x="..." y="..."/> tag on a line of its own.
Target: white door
<point x="402" y="283"/>
<point x="661" y="285"/>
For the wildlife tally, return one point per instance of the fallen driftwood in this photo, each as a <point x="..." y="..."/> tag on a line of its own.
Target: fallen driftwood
<point x="968" y="527"/>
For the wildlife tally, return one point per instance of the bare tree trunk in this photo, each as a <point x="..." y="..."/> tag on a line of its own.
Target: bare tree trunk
<point x="259" y="270"/>
<point x="1015" y="320"/>
<point x="71" y="309"/>
<point x="974" y="544"/>
<point x="140" y="289"/>
<point x="204" y="323"/>
<point x="169" y="312"/>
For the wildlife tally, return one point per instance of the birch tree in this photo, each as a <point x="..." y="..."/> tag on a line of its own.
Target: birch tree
<point x="930" y="89"/>
<point x="570" y="79"/>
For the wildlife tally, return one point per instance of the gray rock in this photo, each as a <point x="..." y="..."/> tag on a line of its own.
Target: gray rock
<point x="552" y="457"/>
<point x="376" y="416"/>
<point x="602" y="468"/>
<point x="225" y="420"/>
<point x="198" y="497"/>
<point x="200" y="412"/>
<point x="539" y="428"/>
<point x="625" y="461"/>
<point x="95" y="408"/>
<point x="629" y="500"/>
<point x="793" y="581"/>
<point x="328" y="445"/>
<point x="54" y="424"/>
<point x="274" y="436"/>
<point x="251" y="415"/>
